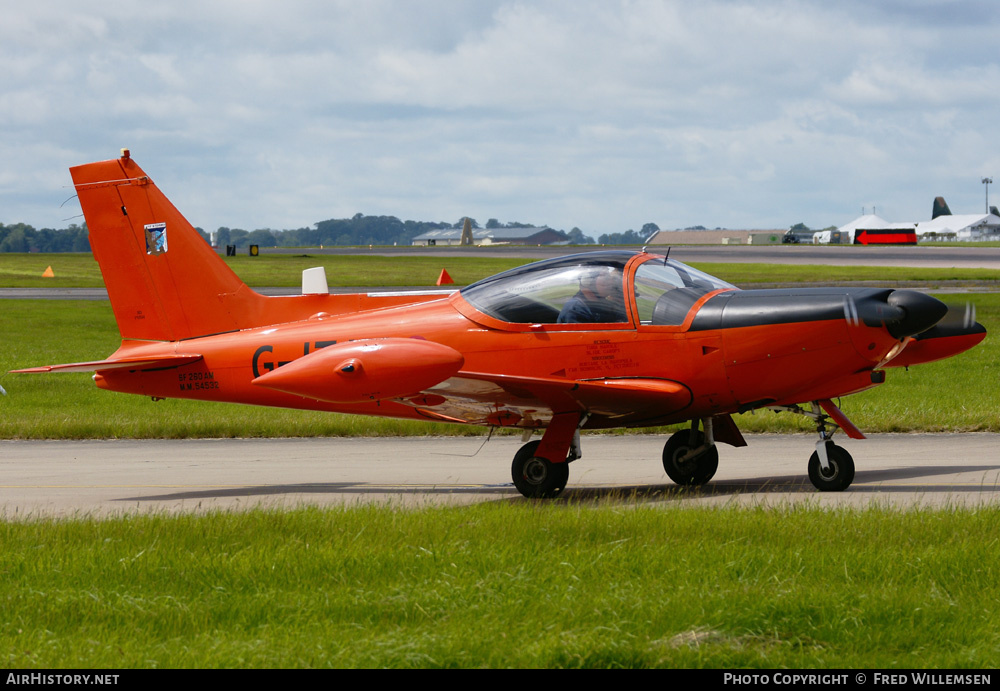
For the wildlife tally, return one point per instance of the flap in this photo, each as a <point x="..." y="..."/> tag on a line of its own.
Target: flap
<point x="507" y="400"/>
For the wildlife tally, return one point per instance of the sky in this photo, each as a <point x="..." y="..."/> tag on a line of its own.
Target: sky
<point x="597" y="114"/>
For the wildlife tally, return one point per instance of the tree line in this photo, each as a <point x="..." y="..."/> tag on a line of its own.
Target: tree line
<point x="357" y="230"/>
<point x="363" y="230"/>
<point x="19" y="237"/>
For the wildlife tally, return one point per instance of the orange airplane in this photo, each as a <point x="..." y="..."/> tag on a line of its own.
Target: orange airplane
<point x="590" y="341"/>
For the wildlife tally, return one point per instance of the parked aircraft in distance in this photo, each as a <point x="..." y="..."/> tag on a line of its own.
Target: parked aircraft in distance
<point x="592" y="341"/>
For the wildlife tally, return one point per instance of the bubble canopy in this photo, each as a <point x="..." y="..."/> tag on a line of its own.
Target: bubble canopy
<point x="594" y="288"/>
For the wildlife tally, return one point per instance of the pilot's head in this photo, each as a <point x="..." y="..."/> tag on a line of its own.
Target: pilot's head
<point x="603" y="282"/>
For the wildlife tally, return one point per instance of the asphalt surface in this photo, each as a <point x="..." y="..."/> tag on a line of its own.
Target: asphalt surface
<point x="99" y="478"/>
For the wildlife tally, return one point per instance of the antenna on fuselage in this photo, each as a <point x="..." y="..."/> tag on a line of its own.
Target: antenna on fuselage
<point x="648" y="241"/>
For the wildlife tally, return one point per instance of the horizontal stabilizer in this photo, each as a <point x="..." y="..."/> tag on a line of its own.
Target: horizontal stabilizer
<point x="134" y="363"/>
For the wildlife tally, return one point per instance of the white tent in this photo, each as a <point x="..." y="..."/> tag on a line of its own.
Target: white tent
<point x="945" y="227"/>
<point x="866" y="222"/>
<point x="961" y="227"/>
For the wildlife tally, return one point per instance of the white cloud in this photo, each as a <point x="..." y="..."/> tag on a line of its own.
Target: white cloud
<point x="598" y="114"/>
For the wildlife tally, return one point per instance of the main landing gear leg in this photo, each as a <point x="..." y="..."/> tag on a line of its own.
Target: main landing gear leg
<point x="831" y="467"/>
<point x="690" y="457"/>
<point x="535" y="471"/>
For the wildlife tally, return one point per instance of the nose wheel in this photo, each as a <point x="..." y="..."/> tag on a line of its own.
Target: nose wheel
<point x="838" y="473"/>
<point x="831" y="468"/>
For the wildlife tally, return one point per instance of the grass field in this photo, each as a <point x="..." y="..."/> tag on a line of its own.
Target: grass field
<point x="615" y="583"/>
<point x="277" y="270"/>
<point x="280" y="270"/>
<point x="513" y="584"/>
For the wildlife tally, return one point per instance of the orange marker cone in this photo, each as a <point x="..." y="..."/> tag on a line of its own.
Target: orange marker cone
<point x="49" y="273"/>
<point x="444" y="278"/>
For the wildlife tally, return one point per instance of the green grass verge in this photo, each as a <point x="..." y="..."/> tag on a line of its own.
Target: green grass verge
<point x="277" y="270"/>
<point x="946" y="395"/>
<point x="280" y="270"/>
<point x="506" y="584"/>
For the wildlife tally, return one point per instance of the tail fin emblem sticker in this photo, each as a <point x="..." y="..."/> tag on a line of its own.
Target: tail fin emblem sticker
<point x="156" y="238"/>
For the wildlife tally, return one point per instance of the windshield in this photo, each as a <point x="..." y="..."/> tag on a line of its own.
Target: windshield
<point x="585" y="288"/>
<point x="590" y="288"/>
<point x="666" y="290"/>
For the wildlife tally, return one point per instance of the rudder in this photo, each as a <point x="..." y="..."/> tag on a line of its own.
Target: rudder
<point x="939" y="208"/>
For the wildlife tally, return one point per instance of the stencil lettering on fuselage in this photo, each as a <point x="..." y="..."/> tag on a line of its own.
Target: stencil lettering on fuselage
<point x="263" y="359"/>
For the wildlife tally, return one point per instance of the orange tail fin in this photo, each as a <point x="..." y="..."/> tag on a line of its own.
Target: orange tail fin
<point x="164" y="281"/>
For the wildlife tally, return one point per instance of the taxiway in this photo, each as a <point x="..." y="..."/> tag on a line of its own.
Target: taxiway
<point x="74" y="478"/>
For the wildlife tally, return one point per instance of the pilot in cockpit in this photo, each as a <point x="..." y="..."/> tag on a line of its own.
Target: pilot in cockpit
<point x="599" y="300"/>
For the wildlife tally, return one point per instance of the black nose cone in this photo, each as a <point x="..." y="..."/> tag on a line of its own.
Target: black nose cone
<point x="919" y="313"/>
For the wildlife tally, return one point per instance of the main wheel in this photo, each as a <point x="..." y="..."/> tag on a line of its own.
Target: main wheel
<point x="536" y="477"/>
<point x="693" y="471"/>
<point x="839" y="476"/>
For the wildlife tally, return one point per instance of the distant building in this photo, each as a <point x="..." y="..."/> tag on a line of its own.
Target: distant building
<point x="960" y="227"/>
<point x="491" y="236"/>
<point x="848" y="233"/>
<point x="944" y="226"/>
<point x="716" y="237"/>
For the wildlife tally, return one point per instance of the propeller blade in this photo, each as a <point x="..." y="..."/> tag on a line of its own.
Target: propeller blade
<point x="959" y="315"/>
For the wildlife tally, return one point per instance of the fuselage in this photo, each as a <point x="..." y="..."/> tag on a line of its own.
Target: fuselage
<point x="731" y="350"/>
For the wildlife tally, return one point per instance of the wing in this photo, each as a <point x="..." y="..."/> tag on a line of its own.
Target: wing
<point x="530" y="402"/>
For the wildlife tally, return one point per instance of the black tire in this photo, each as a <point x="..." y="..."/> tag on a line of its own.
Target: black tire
<point x="841" y="473"/>
<point x="536" y="477"/>
<point x="695" y="471"/>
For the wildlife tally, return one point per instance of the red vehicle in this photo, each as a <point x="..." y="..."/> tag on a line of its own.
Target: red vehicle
<point x="590" y="341"/>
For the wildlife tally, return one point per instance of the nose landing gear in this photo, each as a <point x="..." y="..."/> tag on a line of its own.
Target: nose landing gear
<point x="831" y="467"/>
<point x="837" y="473"/>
